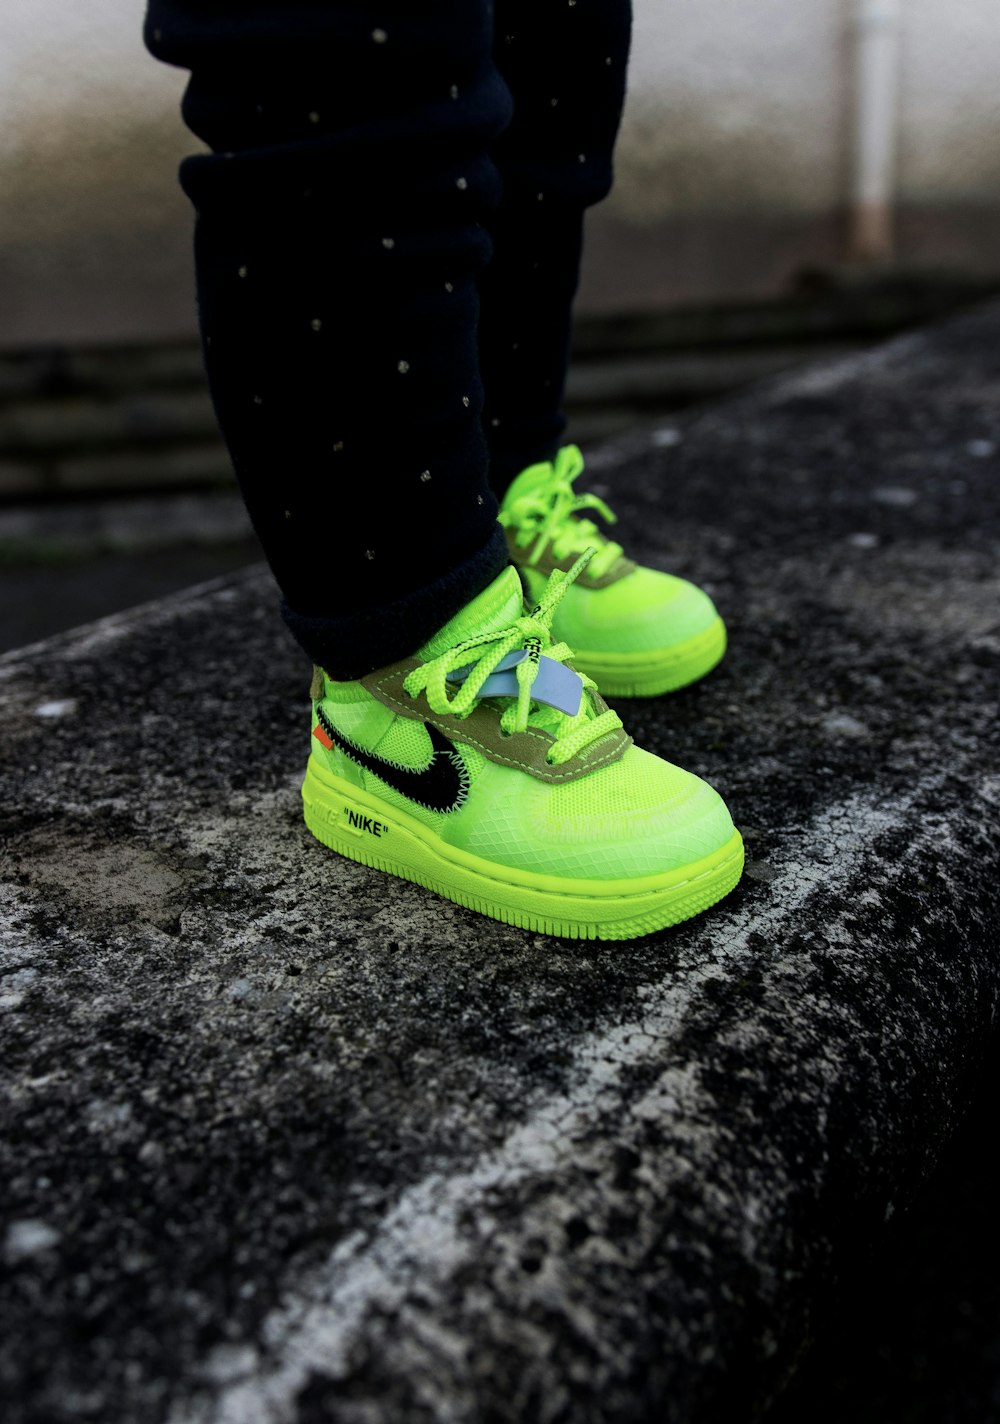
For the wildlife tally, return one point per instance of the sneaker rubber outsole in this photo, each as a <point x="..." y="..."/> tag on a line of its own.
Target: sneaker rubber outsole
<point x="343" y="817"/>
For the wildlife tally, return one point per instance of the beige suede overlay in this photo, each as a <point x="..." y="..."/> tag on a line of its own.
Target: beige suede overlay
<point x="525" y="750"/>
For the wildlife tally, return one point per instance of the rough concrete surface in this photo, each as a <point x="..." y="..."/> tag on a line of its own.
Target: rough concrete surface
<point x="286" y="1140"/>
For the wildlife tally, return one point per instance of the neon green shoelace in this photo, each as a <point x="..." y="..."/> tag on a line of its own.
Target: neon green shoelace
<point x="485" y="651"/>
<point x="550" y="515"/>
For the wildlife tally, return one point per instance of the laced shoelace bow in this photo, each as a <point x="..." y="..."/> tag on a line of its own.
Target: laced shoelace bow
<point x="487" y="650"/>
<point x="550" y="515"/>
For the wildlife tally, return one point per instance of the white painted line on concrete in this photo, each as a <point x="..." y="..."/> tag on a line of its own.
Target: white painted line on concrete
<point x="420" y="1240"/>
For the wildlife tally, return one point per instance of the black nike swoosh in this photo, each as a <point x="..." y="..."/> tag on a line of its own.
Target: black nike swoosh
<point x="442" y="785"/>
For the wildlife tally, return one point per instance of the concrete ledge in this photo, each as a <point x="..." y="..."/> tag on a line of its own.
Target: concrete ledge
<point x="290" y="1141"/>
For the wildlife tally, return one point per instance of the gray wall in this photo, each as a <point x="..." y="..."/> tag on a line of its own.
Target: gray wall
<point x="732" y="162"/>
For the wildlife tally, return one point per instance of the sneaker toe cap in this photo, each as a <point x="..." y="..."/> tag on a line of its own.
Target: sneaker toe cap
<point x="640" y="816"/>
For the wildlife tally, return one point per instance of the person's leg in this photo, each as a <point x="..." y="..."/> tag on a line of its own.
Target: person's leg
<point x="565" y="66"/>
<point x="340" y="241"/>
<point x="339" y="246"/>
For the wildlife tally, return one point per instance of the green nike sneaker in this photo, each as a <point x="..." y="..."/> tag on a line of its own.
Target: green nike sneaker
<point x="490" y="771"/>
<point x="637" y="632"/>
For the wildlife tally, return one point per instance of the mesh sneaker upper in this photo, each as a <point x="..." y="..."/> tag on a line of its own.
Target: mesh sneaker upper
<point x="635" y="815"/>
<point x="636" y="610"/>
<point x="639" y="816"/>
<point x="639" y="613"/>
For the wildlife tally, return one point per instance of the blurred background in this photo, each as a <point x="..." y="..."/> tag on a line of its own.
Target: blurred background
<point x="796" y="179"/>
<point x="749" y="133"/>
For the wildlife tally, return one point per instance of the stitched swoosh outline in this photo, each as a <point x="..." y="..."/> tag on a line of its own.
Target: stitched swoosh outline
<point x="442" y="785"/>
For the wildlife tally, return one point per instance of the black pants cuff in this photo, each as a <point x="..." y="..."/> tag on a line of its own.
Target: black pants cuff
<point x="358" y="643"/>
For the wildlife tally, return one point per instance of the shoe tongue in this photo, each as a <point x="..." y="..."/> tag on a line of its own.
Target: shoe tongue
<point x="527" y="482"/>
<point x="489" y="612"/>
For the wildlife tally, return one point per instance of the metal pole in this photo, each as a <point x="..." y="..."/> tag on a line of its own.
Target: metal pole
<point x="876" y="94"/>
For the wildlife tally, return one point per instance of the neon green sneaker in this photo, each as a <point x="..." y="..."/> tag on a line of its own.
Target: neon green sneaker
<point x="635" y="631"/>
<point x="486" y="769"/>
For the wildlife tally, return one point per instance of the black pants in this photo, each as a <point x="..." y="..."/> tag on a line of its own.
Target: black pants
<point x="387" y="247"/>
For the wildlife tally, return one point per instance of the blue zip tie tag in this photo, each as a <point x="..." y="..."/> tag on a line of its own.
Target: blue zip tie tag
<point x="556" y="684"/>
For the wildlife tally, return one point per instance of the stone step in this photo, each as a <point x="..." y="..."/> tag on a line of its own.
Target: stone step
<point x="95" y="420"/>
<point x="286" y="1140"/>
